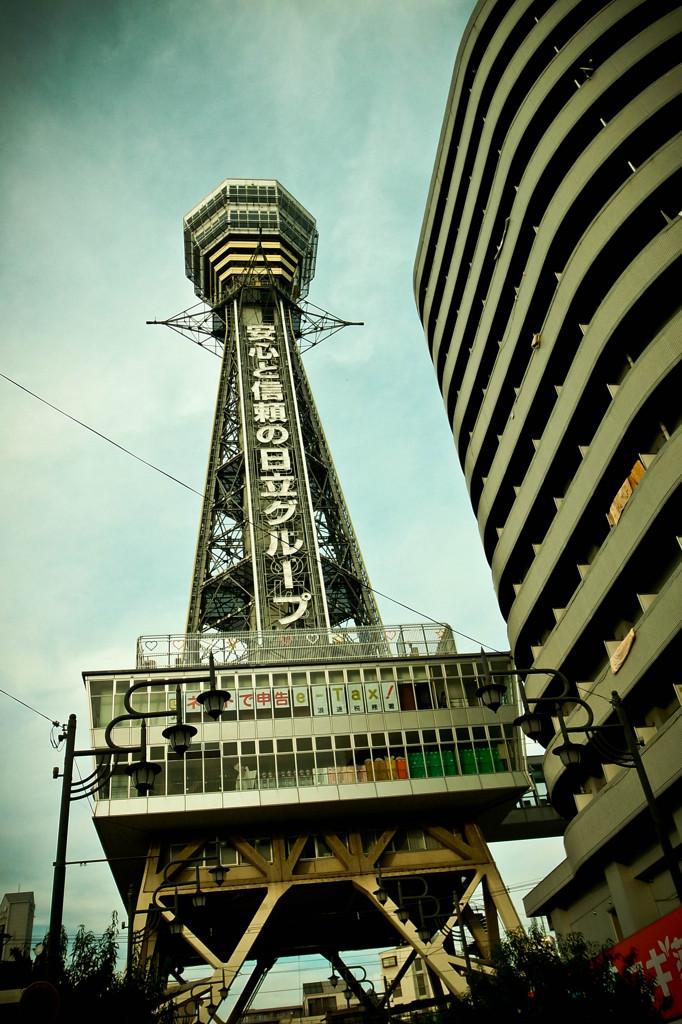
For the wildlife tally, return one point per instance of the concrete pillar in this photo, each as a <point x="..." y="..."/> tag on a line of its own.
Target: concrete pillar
<point x="633" y="901"/>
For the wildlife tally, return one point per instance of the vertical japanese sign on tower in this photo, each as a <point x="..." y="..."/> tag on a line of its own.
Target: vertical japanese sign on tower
<point x="286" y="562"/>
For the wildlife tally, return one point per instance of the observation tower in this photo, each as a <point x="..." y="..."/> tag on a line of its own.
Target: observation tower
<point x="342" y="774"/>
<point x="276" y="548"/>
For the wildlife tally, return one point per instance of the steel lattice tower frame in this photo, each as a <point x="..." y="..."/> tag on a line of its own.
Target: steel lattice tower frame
<point x="276" y="548"/>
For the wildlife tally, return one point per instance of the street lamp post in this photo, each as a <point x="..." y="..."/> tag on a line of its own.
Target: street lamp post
<point x="218" y="873"/>
<point x="59" y="876"/>
<point x="532" y="724"/>
<point x="142" y="774"/>
<point x="353" y="985"/>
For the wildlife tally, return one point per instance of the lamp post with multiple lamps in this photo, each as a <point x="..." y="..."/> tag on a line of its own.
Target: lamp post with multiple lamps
<point x="532" y="723"/>
<point x="218" y="873"/>
<point x="353" y="985"/>
<point x="402" y="913"/>
<point x="419" y="902"/>
<point x="142" y="774"/>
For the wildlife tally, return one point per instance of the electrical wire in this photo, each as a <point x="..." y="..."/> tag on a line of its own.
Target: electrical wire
<point x="393" y="600"/>
<point x="436" y="621"/>
<point x="103" y="436"/>
<point x="52" y="721"/>
<point x="80" y="779"/>
<point x="55" y="744"/>
<point x="176" y="480"/>
<point x="593" y="693"/>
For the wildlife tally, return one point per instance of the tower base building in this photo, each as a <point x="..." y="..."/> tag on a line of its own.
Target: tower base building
<point x="336" y="806"/>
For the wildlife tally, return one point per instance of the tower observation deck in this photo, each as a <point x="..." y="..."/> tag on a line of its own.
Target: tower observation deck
<point x="346" y="787"/>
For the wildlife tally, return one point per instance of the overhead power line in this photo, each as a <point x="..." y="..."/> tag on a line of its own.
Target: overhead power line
<point x="176" y="480"/>
<point x="104" y="437"/>
<point x="52" y="721"/>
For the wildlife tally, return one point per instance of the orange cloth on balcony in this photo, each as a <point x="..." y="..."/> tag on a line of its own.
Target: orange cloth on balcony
<point x="625" y="493"/>
<point x="621" y="652"/>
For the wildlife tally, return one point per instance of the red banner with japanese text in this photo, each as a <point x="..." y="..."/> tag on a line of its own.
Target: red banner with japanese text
<point x="658" y="953"/>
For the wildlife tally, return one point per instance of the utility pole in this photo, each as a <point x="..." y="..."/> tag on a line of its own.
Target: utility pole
<point x="59" y="877"/>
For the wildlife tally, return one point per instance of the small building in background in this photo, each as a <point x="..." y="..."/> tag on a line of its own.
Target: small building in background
<point x="413" y="985"/>
<point x="322" y="997"/>
<point x="16" y="923"/>
<point x="275" y="1015"/>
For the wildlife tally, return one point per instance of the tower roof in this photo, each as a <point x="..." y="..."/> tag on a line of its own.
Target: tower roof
<point x="19" y="897"/>
<point x="223" y="231"/>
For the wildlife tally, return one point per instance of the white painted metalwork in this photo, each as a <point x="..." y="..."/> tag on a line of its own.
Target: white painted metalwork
<point x="172" y="650"/>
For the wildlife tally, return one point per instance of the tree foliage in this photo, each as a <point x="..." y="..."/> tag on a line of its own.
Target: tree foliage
<point x="92" y="990"/>
<point x="574" y="981"/>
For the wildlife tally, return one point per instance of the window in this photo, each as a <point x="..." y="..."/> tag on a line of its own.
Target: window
<point x="320" y="1005"/>
<point x="101" y="698"/>
<point x="263" y="847"/>
<point x="389" y="961"/>
<point x="315" y="848"/>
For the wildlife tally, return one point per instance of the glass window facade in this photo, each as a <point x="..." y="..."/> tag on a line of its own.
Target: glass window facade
<point x="374" y="730"/>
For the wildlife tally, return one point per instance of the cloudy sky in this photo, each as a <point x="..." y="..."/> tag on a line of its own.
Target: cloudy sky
<point x="117" y="119"/>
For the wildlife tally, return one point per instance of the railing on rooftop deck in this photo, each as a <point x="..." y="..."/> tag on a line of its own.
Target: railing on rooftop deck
<point x="356" y="643"/>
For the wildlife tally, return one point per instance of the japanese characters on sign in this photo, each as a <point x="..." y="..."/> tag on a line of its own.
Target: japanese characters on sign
<point x="191" y="703"/>
<point x="341" y="699"/>
<point x="278" y="496"/>
<point x="657" y="951"/>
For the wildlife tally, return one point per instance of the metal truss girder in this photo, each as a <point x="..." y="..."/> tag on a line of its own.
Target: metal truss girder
<point x="204" y="325"/>
<point x="200" y="323"/>
<point x="343" y="572"/>
<point x="288" y="906"/>
<point x="250" y="989"/>
<point x="229" y="532"/>
<point x="317" y="325"/>
<point x="335" y="530"/>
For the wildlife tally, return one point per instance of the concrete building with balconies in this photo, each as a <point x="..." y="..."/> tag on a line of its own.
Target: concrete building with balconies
<point x="547" y="279"/>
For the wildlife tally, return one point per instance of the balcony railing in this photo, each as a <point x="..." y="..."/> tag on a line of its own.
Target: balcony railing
<point x="191" y="650"/>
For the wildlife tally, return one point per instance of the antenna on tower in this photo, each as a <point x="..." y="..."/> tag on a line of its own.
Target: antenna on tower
<point x="204" y="326"/>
